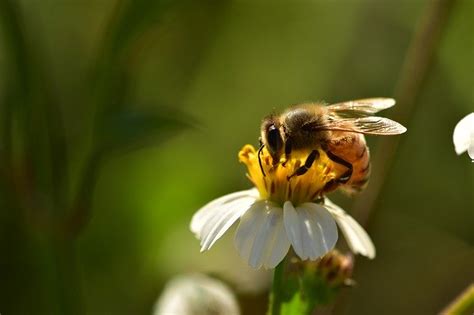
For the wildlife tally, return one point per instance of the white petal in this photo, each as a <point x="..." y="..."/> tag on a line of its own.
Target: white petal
<point x="261" y="237"/>
<point x="293" y="228"/>
<point x="470" y="151"/>
<point x="196" y="294"/>
<point x="356" y="237"/>
<point x="311" y="229"/>
<point x="222" y="220"/>
<point x="463" y="134"/>
<point x="209" y="210"/>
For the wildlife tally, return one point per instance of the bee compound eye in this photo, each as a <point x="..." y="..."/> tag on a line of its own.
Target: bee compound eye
<point x="274" y="139"/>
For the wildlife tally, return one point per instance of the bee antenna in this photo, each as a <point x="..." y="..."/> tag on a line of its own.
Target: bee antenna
<point x="260" y="160"/>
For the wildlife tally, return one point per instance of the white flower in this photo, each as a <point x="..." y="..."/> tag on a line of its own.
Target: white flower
<point x="463" y="136"/>
<point x="196" y="295"/>
<point x="280" y="213"/>
<point x="266" y="230"/>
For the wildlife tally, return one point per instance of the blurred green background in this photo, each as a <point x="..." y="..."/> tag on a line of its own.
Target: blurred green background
<point x="119" y="119"/>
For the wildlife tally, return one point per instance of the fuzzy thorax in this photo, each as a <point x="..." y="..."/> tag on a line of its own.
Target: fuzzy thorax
<point x="278" y="184"/>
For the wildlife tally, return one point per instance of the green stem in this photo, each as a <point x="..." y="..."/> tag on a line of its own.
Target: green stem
<point x="463" y="304"/>
<point x="80" y="214"/>
<point x="277" y="287"/>
<point x="415" y="72"/>
<point x="68" y="279"/>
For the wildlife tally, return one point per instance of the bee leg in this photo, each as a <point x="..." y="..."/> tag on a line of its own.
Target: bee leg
<point x="287" y="151"/>
<point x="319" y="199"/>
<point x="347" y="175"/>
<point x="331" y="185"/>
<point x="307" y="164"/>
<point x="260" y="159"/>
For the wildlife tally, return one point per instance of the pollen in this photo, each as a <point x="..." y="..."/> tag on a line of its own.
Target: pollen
<point x="278" y="181"/>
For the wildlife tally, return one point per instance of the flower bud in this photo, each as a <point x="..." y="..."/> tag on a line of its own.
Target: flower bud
<point x="196" y="294"/>
<point x="335" y="268"/>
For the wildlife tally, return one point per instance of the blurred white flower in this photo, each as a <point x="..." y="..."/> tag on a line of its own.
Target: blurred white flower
<point x="463" y="136"/>
<point x="196" y="294"/>
<point x="279" y="213"/>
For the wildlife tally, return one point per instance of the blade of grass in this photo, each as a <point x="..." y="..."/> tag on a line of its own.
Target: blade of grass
<point x="416" y="69"/>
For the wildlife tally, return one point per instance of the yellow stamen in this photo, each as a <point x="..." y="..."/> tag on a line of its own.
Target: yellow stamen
<point x="277" y="185"/>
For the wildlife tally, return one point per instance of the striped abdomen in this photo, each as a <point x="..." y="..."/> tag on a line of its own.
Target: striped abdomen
<point x="352" y="148"/>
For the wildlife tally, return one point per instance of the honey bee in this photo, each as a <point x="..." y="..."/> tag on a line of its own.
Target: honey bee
<point x="337" y="129"/>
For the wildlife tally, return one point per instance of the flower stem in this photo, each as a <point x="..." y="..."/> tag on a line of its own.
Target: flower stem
<point x="463" y="304"/>
<point x="414" y="74"/>
<point x="277" y="287"/>
<point x="70" y="298"/>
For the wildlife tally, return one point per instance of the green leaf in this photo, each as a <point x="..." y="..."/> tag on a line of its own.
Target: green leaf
<point x="304" y="290"/>
<point x="131" y="129"/>
<point x="135" y="16"/>
<point x="295" y="306"/>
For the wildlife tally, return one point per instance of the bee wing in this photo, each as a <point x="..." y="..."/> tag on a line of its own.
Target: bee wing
<point x="362" y="107"/>
<point x="371" y="125"/>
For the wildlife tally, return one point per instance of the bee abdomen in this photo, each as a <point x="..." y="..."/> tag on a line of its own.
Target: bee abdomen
<point x="361" y="169"/>
<point x="350" y="150"/>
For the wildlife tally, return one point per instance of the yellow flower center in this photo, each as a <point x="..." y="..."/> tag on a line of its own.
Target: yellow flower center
<point x="280" y="184"/>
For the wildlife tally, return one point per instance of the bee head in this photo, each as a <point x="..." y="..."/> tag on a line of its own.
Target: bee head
<point x="271" y="136"/>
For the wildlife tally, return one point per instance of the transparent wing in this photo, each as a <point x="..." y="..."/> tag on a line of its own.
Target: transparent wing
<point x="372" y="125"/>
<point x="362" y="107"/>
